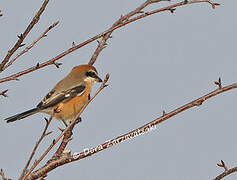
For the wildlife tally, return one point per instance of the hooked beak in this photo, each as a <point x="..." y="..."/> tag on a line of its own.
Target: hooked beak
<point x="98" y="79"/>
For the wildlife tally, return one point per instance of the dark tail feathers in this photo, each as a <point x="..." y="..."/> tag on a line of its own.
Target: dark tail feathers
<point x="22" y="115"/>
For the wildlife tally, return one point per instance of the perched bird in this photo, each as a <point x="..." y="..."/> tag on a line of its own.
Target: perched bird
<point x="68" y="96"/>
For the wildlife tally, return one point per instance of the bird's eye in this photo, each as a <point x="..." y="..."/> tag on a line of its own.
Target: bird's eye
<point x="91" y="74"/>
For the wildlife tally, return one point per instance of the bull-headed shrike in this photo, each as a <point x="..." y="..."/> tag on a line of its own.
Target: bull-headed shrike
<point x="68" y="96"/>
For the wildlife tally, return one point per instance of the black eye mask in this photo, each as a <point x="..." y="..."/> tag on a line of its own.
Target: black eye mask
<point x="91" y="74"/>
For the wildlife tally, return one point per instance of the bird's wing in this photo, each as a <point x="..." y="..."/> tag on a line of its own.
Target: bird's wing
<point x="54" y="97"/>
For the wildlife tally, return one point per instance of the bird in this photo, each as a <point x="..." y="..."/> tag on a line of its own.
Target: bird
<point x="68" y="96"/>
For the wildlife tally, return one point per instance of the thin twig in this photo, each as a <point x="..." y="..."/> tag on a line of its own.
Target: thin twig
<point x="64" y="160"/>
<point x="223" y="165"/>
<point x="30" y="46"/>
<point x="3" y="93"/>
<point x="218" y="83"/>
<point x="51" y="61"/>
<point x="226" y="172"/>
<point x="102" y="43"/>
<point x="23" y="36"/>
<point x="44" y="134"/>
<point x="103" y="85"/>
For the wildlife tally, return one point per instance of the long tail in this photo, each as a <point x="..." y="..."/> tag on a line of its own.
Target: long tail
<point x="22" y="115"/>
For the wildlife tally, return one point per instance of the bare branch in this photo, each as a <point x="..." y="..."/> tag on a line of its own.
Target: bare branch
<point x="103" y="85"/>
<point x="138" y="10"/>
<point x="226" y="172"/>
<point x="30" y="46"/>
<point x="67" y="159"/>
<point x="102" y="44"/>
<point x="51" y="61"/>
<point x="44" y="134"/>
<point x="23" y="36"/>
<point x="65" y="141"/>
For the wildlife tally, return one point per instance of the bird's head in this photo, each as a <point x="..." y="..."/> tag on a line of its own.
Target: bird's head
<point x="87" y="73"/>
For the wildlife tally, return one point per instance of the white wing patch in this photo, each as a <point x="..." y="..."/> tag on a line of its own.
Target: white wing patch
<point x="54" y="98"/>
<point x="67" y="95"/>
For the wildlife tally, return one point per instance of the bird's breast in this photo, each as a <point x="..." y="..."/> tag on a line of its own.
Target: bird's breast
<point x="69" y="110"/>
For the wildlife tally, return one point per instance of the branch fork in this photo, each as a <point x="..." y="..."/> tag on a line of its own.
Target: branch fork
<point x="223" y="165"/>
<point x="218" y="83"/>
<point x="3" y="93"/>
